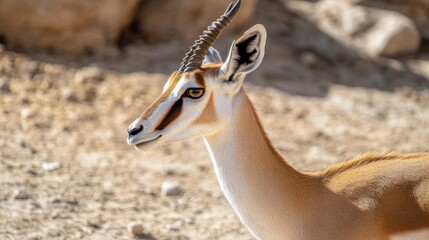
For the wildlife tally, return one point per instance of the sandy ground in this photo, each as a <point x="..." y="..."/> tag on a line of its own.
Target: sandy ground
<point x="317" y="110"/>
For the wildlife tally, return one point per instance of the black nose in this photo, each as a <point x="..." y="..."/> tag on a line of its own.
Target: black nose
<point x="133" y="130"/>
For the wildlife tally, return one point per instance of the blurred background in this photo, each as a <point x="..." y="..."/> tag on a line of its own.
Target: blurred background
<point x="339" y="78"/>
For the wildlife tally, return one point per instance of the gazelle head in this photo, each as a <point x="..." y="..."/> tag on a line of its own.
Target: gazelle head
<point x="197" y="100"/>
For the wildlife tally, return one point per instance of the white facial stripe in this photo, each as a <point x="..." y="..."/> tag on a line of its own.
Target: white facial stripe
<point x="182" y="85"/>
<point x="178" y="90"/>
<point x="160" y="112"/>
<point x="167" y="84"/>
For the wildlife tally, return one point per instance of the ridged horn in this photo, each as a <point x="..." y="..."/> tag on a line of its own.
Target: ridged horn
<point x="195" y="56"/>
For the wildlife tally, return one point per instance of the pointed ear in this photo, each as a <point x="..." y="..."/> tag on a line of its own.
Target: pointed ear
<point x="212" y="56"/>
<point x="245" y="55"/>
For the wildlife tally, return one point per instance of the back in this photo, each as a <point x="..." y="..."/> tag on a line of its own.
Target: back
<point x="392" y="187"/>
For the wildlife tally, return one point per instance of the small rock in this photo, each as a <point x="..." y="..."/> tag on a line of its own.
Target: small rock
<point x="69" y="95"/>
<point x="55" y="199"/>
<point x="31" y="171"/>
<point x="51" y="166"/>
<point x="26" y="113"/>
<point x="4" y="86"/>
<point x="150" y="192"/>
<point x="218" y="195"/>
<point x="171" y="189"/>
<point x="55" y="214"/>
<point x="73" y="202"/>
<point x="174" y="226"/>
<point x="189" y="221"/>
<point x="35" y="205"/>
<point x="308" y="59"/>
<point x="108" y="186"/>
<point x="136" y="228"/>
<point x="94" y="224"/>
<point x="170" y="172"/>
<point x="25" y="100"/>
<point x="88" y="74"/>
<point x="20" y="194"/>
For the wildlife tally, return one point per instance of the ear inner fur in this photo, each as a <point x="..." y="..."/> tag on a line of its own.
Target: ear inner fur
<point x="245" y="57"/>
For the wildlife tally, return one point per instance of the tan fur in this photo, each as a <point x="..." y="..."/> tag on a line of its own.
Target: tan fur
<point x="208" y="115"/>
<point x="212" y="66"/>
<point x="212" y="69"/>
<point x="394" y="187"/>
<point x="174" y="79"/>
<point x="374" y="196"/>
<point x="367" y="158"/>
<point x="199" y="78"/>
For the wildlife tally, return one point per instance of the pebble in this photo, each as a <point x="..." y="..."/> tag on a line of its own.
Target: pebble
<point x="309" y="59"/>
<point x="55" y="214"/>
<point x="174" y="226"/>
<point x="35" y="205"/>
<point x="4" y="86"/>
<point x="20" y="194"/>
<point x="55" y="199"/>
<point x="69" y="95"/>
<point x="170" y="172"/>
<point x="89" y="74"/>
<point x="94" y="223"/>
<point x="136" y="228"/>
<point x="51" y="166"/>
<point x="26" y="113"/>
<point x="73" y="202"/>
<point x="31" y="170"/>
<point x="171" y="189"/>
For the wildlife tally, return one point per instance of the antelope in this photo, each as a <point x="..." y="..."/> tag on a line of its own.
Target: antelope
<point x="374" y="196"/>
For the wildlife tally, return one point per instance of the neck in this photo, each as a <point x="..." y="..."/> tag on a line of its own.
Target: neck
<point x="255" y="179"/>
<point x="271" y="198"/>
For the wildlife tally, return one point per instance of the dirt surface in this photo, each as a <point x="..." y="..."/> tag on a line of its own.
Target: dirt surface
<point x="318" y="108"/>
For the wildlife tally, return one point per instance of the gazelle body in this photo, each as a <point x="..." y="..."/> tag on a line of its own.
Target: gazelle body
<point x="372" y="197"/>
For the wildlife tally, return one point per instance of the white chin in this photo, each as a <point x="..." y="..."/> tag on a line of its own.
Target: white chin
<point x="146" y="146"/>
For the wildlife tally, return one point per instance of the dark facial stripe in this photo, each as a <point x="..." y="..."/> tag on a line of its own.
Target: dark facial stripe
<point x="174" y="79"/>
<point x="174" y="112"/>
<point x="199" y="79"/>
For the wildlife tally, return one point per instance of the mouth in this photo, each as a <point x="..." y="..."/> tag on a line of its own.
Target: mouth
<point x="147" y="141"/>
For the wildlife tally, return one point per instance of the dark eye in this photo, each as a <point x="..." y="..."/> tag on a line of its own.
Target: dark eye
<point x="194" y="92"/>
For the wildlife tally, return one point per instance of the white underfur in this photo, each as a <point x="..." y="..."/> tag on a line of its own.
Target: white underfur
<point x="242" y="179"/>
<point x="166" y="86"/>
